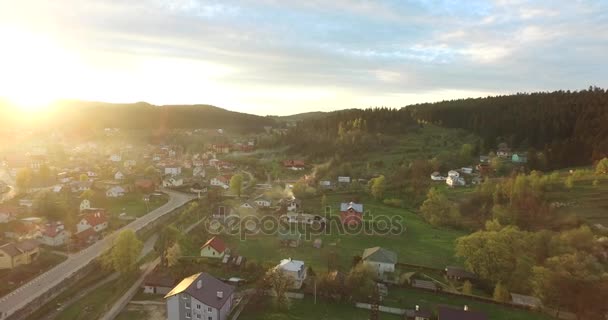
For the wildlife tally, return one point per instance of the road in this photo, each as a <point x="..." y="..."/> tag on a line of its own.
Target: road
<point x="45" y="282"/>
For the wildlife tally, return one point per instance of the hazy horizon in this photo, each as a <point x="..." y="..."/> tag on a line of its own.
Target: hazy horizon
<point x="269" y="57"/>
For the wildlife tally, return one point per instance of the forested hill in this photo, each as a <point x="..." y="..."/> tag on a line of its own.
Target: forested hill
<point x="570" y="128"/>
<point x="70" y="114"/>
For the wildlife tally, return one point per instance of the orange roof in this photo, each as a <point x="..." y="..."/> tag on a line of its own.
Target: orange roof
<point x="215" y="243"/>
<point x="95" y="218"/>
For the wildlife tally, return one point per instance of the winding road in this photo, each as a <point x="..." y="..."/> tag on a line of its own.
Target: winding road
<point x="45" y="282"/>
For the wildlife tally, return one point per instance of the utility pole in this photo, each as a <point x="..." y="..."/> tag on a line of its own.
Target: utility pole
<point x="375" y="307"/>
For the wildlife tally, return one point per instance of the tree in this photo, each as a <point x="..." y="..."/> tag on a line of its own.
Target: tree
<point x="87" y="194"/>
<point x="23" y="180"/>
<point x="50" y="205"/>
<point x="466" y="151"/>
<point x="173" y="255"/>
<point x="123" y="256"/>
<point x="569" y="183"/>
<point x="84" y="178"/>
<point x="360" y="282"/>
<point x="280" y="283"/>
<point x="438" y="210"/>
<point x="467" y="288"/>
<point x="167" y="238"/>
<point x="150" y="172"/>
<point x="236" y="184"/>
<point x="378" y="186"/>
<point x="501" y="293"/>
<point x="44" y="173"/>
<point x="602" y="166"/>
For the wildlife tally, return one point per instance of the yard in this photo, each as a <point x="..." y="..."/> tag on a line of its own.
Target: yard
<point x="419" y="244"/>
<point x="132" y="204"/>
<point x="306" y="309"/>
<point x="408" y="298"/>
<point x="11" y="279"/>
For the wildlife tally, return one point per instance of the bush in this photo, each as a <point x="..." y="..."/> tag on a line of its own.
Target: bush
<point x="397" y="203"/>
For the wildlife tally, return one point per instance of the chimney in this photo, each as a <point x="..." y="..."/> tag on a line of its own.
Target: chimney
<point x="199" y="284"/>
<point x="417" y="308"/>
<point x="466" y="308"/>
<point x="220" y="294"/>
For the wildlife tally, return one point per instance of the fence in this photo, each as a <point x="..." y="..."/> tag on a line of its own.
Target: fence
<point x="384" y="309"/>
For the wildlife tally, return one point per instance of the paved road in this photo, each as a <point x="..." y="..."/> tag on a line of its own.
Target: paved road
<point x="25" y="294"/>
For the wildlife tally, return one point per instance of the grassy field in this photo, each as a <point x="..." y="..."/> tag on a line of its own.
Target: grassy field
<point x="306" y="309"/>
<point x="133" y="204"/>
<point x="420" y="243"/>
<point x="12" y="279"/>
<point x="584" y="200"/>
<point x="408" y="298"/>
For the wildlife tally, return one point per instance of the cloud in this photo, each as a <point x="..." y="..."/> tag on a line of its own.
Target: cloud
<point x="256" y="55"/>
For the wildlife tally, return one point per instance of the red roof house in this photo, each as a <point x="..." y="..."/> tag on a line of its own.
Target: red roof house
<point x="214" y="248"/>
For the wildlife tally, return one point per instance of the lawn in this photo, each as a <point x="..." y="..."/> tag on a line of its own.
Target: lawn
<point x="408" y="298"/>
<point x="306" y="309"/>
<point x="420" y="243"/>
<point x="14" y="278"/>
<point x="133" y="204"/>
<point x="99" y="301"/>
<point x="585" y="200"/>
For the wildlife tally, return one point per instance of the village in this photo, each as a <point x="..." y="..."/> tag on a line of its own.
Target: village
<point x="319" y="250"/>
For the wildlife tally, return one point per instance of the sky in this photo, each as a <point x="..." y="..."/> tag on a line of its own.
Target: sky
<point x="284" y="57"/>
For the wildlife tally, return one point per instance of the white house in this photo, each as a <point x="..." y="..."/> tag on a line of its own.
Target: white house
<point x="455" y="181"/>
<point x="294" y="269"/>
<point x="85" y="204"/>
<point x="129" y="163"/>
<point x="220" y="181"/>
<point x="344" y="180"/>
<point x="119" y="176"/>
<point x="466" y="170"/>
<point x="91" y="174"/>
<point x="262" y="202"/>
<point x="453" y="174"/>
<point x="95" y="220"/>
<point x="54" y="235"/>
<point x="115" y="192"/>
<point x="200" y="296"/>
<point x="173" y="170"/>
<point x="115" y="157"/>
<point x="174" y="181"/>
<point x="380" y="259"/>
<point x="436" y="176"/>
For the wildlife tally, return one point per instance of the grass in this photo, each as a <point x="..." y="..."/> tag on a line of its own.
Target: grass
<point x="97" y="302"/>
<point x="408" y="298"/>
<point x="12" y="279"/>
<point x="420" y="243"/>
<point x="306" y="309"/>
<point x="584" y="200"/>
<point x="133" y="204"/>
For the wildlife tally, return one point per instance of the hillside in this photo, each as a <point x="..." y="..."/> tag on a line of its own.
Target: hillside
<point x="141" y="115"/>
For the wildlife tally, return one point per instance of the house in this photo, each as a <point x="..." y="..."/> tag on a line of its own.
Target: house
<point x="198" y="187"/>
<point x="115" y="192"/>
<point x="503" y="151"/>
<point x="294" y="164"/>
<point x="200" y="296"/>
<point x="291" y="204"/>
<point x="80" y="186"/>
<point x="213" y="248"/>
<point x="294" y="269"/>
<point x="26" y="203"/>
<point x="85" y="237"/>
<point x="129" y="163"/>
<point x="221" y="181"/>
<point x="249" y="205"/>
<point x="221" y="148"/>
<point x="91" y="174"/>
<point x="325" y="184"/>
<point x="119" y="175"/>
<point x="145" y="185"/>
<point x="95" y="220"/>
<point x="381" y="260"/>
<point x="55" y="234"/>
<point x="57" y="188"/>
<point x="436" y="176"/>
<point x="418" y="314"/>
<point x="450" y="313"/>
<point x="453" y="174"/>
<point x="466" y="170"/>
<point x="519" y="158"/>
<point x="20" y="230"/>
<point x="199" y="171"/>
<point x="173" y="170"/>
<point x="484" y="159"/>
<point x="424" y="284"/>
<point x="173" y="181"/>
<point x="263" y="201"/>
<point x="484" y="169"/>
<point x="455" y="181"/>
<point x="457" y="273"/>
<point x="115" y="157"/>
<point x="344" y="180"/>
<point x="290" y="238"/>
<point x="351" y="213"/>
<point x="14" y="254"/>
<point x="526" y="301"/>
<point x="158" y="283"/>
<point x="85" y="205"/>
